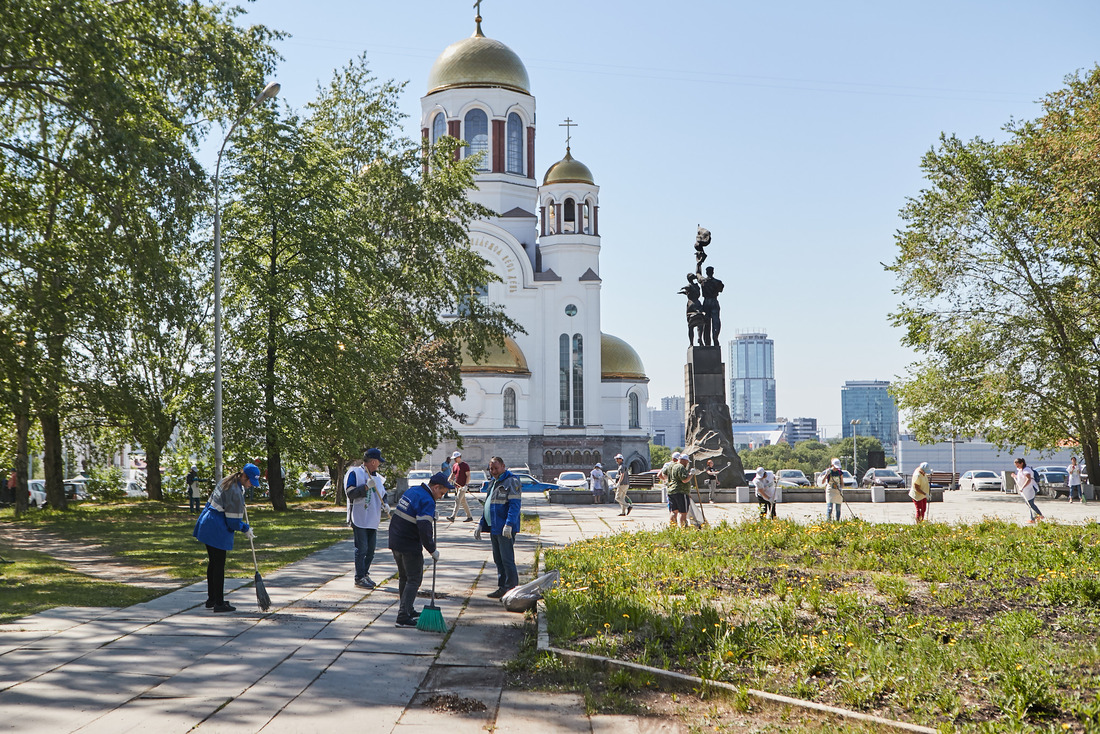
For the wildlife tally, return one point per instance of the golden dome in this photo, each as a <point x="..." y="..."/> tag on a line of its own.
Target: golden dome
<point x="504" y="358"/>
<point x="478" y="61"/>
<point x="619" y="360"/>
<point x="568" y="170"/>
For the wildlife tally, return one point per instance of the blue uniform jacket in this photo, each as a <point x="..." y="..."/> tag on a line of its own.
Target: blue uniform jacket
<point x="221" y="517"/>
<point x="411" y="522"/>
<point x="502" y="507"/>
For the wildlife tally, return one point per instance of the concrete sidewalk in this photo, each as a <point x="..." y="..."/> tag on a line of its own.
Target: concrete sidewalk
<point x="327" y="656"/>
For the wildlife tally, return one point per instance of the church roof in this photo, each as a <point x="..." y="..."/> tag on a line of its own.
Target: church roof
<point x="504" y="358"/>
<point x="568" y="170"/>
<point x="478" y="61"/>
<point x="619" y="360"/>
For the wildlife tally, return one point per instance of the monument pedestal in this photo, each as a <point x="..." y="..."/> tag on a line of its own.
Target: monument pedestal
<point x="708" y="425"/>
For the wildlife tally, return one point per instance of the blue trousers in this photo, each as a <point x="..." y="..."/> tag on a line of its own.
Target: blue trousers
<point x="504" y="555"/>
<point x="829" y="510"/>
<point x="365" y="540"/>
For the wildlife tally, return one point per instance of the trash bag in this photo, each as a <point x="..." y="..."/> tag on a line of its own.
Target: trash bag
<point x="522" y="598"/>
<point x="695" y="514"/>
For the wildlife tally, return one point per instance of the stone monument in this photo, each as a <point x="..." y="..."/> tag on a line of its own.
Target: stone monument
<point x="708" y="425"/>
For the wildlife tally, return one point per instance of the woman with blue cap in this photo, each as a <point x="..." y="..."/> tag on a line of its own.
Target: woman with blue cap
<point x="222" y="516"/>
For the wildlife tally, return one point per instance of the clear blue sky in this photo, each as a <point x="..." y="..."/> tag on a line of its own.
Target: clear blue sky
<point x="793" y="130"/>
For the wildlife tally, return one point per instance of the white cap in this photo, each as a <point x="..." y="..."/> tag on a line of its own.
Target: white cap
<point x="618" y="456"/>
<point x="760" y="472"/>
<point x="599" y="465"/>
<point x="836" y="463"/>
<point x="456" y="454"/>
<point x="675" y="455"/>
<point x="923" y="466"/>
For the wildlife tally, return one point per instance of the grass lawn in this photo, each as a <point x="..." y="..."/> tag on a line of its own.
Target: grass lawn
<point x="988" y="627"/>
<point x="148" y="534"/>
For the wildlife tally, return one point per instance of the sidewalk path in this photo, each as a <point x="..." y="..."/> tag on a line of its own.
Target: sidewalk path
<point x="327" y="657"/>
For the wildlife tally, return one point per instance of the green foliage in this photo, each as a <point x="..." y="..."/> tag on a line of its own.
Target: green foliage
<point x="659" y="455"/>
<point x="105" y="484"/>
<point x="809" y="456"/>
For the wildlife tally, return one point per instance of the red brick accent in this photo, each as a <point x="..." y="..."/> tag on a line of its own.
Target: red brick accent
<point x="498" y="146"/>
<point x="454" y="129"/>
<point x="531" y="152"/>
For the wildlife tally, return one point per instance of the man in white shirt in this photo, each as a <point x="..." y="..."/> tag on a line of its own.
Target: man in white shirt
<point x="366" y="493"/>
<point x="764" y="481"/>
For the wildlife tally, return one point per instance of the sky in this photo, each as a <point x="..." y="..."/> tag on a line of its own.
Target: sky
<point x="793" y="130"/>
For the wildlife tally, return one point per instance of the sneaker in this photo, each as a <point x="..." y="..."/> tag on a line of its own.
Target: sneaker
<point x="405" y="622"/>
<point x="210" y="603"/>
<point x="224" y="607"/>
<point x="629" y="508"/>
<point x="365" y="583"/>
<point x="469" y="519"/>
<point x="1030" y="522"/>
<point x="451" y="518"/>
<point x="496" y="594"/>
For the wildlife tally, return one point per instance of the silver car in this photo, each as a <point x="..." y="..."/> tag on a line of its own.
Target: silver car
<point x="977" y="480"/>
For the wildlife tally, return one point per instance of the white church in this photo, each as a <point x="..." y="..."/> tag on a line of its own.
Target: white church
<point x="564" y="395"/>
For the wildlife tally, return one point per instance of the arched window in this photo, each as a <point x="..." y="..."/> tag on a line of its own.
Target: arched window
<point x="548" y="458"/>
<point x="515" y="144"/>
<point x="586" y="219"/>
<point x="569" y="216"/>
<point x="578" y="380"/>
<point x="551" y="217"/>
<point x="635" y="413"/>
<point x="476" y="135"/>
<point x="563" y="380"/>
<point x="510" y="409"/>
<point x="439" y="127"/>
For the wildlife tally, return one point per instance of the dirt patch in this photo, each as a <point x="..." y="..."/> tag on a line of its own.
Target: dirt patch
<point x="453" y="703"/>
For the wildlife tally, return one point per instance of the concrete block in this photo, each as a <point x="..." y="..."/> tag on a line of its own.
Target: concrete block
<point x="743" y="495"/>
<point x="878" y="494"/>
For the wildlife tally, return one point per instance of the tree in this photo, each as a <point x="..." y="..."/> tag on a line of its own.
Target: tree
<point x="97" y="127"/>
<point x="807" y="456"/>
<point x="999" y="269"/>
<point x="659" y="455"/>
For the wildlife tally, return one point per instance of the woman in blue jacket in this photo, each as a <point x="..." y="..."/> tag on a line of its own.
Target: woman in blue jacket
<point x="222" y="516"/>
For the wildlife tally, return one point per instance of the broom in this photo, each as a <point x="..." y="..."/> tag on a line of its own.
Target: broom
<point x="431" y="616"/>
<point x="262" y="597"/>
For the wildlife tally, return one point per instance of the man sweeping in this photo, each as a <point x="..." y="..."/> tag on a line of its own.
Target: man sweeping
<point x="411" y="528"/>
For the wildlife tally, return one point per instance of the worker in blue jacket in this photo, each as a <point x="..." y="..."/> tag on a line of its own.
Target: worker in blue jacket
<point x="222" y="516"/>
<point x="412" y="527"/>
<point x="501" y="519"/>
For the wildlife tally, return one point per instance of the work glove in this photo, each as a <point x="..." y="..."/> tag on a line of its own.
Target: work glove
<point x="477" y="533"/>
<point x="507" y="531"/>
<point x="435" y="555"/>
<point x="249" y="534"/>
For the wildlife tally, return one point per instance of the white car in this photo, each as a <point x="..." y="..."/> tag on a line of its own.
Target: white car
<point x="572" y="480"/>
<point x="981" y="479"/>
<point x="419" y="476"/>
<point x="819" y="479"/>
<point x="36" y="493"/>
<point x="134" y="489"/>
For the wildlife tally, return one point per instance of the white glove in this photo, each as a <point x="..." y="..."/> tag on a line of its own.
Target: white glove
<point x="435" y="555"/>
<point x="477" y="533"/>
<point x="507" y="531"/>
<point x="249" y="534"/>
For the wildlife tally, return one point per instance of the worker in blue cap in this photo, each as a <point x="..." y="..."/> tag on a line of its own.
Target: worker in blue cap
<point x="223" y="516"/>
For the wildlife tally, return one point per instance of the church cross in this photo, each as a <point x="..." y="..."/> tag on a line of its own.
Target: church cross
<point x="568" y="125"/>
<point x="477" y="8"/>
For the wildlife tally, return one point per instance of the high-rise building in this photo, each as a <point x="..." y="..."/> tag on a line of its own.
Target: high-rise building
<point x="667" y="423"/>
<point x="675" y="402"/>
<point x="802" y="429"/>
<point x="752" y="378"/>
<point x="870" y="402"/>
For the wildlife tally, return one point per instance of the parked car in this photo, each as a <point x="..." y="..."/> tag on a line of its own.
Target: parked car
<point x="790" y="478"/>
<point x="477" y="481"/>
<point x="1052" y="480"/>
<point x="134" y="489"/>
<point x="76" y="488"/>
<point x="849" y="480"/>
<point x="36" y="493"/>
<point x="417" y="477"/>
<point x="883" y="478"/>
<point x="572" y="480"/>
<point x="981" y="479"/>
<point x="529" y="484"/>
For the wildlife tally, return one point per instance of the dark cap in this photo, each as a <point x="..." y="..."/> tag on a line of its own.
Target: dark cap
<point x="373" y="454"/>
<point x="441" y="479"/>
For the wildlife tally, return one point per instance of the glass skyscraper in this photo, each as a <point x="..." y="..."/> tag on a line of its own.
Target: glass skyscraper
<point x="752" y="378"/>
<point x="870" y="402"/>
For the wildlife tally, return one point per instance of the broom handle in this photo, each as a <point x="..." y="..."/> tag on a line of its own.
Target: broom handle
<point x="250" y="543"/>
<point x="435" y="537"/>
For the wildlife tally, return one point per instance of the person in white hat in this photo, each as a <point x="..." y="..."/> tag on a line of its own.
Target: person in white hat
<point x="622" y="484"/>
<point x="920" y="489"/>
<point x="764" y="481"/>
<point x="460" y="477"/>
<point x="598" y="480"/>
<point x="833" y="480"/>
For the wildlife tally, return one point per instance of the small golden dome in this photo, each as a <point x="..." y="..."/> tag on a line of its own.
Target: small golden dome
<point x="619" y="361"/>
<point x="504" y="358"/>
<point x="568" y="170"/>
<point x="478" y="61"/>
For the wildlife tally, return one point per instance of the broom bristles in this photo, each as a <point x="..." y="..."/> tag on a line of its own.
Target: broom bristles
<point x="431" y="619"/>
<point x="262" y="597"/>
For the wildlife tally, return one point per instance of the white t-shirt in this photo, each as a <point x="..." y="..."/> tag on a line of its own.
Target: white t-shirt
<point x="597" y="478"/>
<point x="1028" y="492"/>
<point x="365" y="512"/>
<point x="765" y="486"/>
<point x="1074" y="475"/>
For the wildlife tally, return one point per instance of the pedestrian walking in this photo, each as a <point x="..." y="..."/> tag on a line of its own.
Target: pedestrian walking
<point x="194" y="489"/>
<point x="679" y="489"/>
<point x="223" y="516"/>
<point x="501" y="518"/>
<point x="365" y="490"/>
<point x="1028" y="488"/>
<point x="622" y="486"/>
<point x="1074" y="481"/>
<point x="412" y="527"/>
<point x="764" y="481"/>
<point x="920" y="489"/>
<point x="833" y="481"/>
<point x="460" y="477"/>
<point x="598" y="480"/>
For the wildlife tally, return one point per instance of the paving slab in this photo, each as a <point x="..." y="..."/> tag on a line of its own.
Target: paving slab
<point x="523" y="712"/>
<point x="166" y="716"/>
<point x="622" y="724"/>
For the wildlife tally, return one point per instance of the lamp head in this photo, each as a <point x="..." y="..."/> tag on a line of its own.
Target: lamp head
<point x="269" y="92"/>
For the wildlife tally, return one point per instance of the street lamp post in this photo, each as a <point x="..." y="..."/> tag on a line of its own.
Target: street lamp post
<point x="855" y="430"/>
<point x="268" y="93"/>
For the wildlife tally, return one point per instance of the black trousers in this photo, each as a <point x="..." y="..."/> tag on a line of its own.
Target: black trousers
<point x="215" y="574"/>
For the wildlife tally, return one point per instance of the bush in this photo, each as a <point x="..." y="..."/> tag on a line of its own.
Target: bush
<point x="105" y="485"/>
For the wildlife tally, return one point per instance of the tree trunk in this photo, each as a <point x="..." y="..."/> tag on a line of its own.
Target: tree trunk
<point x="1092" y="459"/>
<point x="22" y="434"/>
<point x="52" y="464"/>
<point x="276" y="483"/>
<point x="154" y="485"/>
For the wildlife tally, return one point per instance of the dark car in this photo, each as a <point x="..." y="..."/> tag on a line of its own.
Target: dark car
<point x="529" y="484"/>
<point x="883" y="478"/>
<point x="1053" y="480"/>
